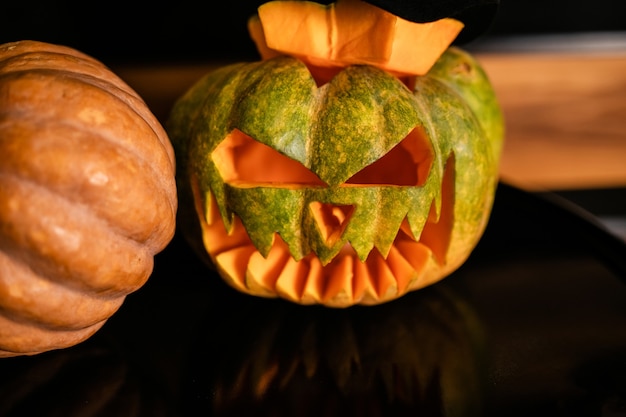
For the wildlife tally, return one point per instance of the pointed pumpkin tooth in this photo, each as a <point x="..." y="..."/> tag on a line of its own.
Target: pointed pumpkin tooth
<point x="366" y="282"/>
<point x="401" y="269"/>
<point x="233" y="263"/>
<point x="416" y="253"/>
<point x="291" y="281"/>
<point x="313" y="290"/>
<point x="339" y="279"/>
<point x="387" y="235"/>
<point x="414" y="223"/>
<point x="211" y="210"/>
<point x="361" y="281"/>
<point x="437" y="232"/>
<point x="405" y="228"/>
<point x="216" y="240"/>
<point x="383" y="279"/>
<point x="263" y="272"/>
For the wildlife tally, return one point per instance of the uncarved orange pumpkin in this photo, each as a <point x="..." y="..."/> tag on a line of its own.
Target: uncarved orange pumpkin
<point x="87" y="195"/>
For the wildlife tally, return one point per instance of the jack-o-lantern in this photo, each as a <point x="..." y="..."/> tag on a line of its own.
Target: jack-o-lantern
<point x="351" y="190"/>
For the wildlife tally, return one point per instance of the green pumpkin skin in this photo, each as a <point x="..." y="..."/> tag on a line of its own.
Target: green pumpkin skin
<point x="335" y="130"/>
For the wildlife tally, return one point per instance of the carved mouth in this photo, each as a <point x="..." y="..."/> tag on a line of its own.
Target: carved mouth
<point x="335" y="272"/>
<point x="346" y="280"/>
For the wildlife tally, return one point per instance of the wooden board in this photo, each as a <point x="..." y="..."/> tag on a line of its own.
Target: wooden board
<point x="565" y="117"/>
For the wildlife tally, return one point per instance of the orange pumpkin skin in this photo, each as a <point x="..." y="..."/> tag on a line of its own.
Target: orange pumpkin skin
<point x="87" y="195"/>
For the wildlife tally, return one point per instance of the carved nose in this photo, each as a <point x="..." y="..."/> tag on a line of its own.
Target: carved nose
<point x="332" y="219"/>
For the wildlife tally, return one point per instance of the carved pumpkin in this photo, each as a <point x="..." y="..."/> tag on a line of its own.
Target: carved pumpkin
<point x="351" y="189"/>
<point x="87" y="195"/>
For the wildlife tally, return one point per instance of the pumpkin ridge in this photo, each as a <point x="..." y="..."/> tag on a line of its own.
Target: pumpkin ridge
<point x="87" y="66"/>
<point x="127" y="157"/>
<point x="345" y="93"/>
<point x="88" y="309"/>
<point x="438" y="164"/>
<point x="113" y="286"/>
<point x="247" y="111"/>
<point x="74" y="203"/>
<point x="28" y="338"/>
<point x="154" y="158"/>
<point x="315" y="109"/>
<point x="54" y="68"/>
<point x="24" y="319"/>
<point x="122" y="93"/>
<point x="134" y="103"/>
<point x="27" y="47"/>
<point x="449" y="70"/>
<point x="148" y="236"/>
<point x="204" y="97"/>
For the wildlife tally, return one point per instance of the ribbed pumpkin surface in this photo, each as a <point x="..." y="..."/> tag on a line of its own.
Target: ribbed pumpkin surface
<point x="87" y="195"/>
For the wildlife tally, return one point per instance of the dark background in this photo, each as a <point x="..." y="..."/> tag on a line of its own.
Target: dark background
<point x="190" y="31"/>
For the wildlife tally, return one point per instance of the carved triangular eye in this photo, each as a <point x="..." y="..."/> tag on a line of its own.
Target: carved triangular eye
<point x="244" y="162"/>
<point x="406" y="164"/>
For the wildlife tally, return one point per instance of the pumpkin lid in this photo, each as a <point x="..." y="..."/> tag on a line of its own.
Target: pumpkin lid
<point x="348" y="32"/>
<point x="476" y="15"/>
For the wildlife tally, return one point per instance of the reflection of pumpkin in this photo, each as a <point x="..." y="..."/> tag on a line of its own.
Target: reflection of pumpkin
<point x="89" y="380"/>
<point x="87" y="195"/>
<point x="420" y="355"/>
<point x="355" y="190"/>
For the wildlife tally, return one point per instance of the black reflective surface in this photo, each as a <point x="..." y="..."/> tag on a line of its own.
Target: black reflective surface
<point x="534" y="324"/>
